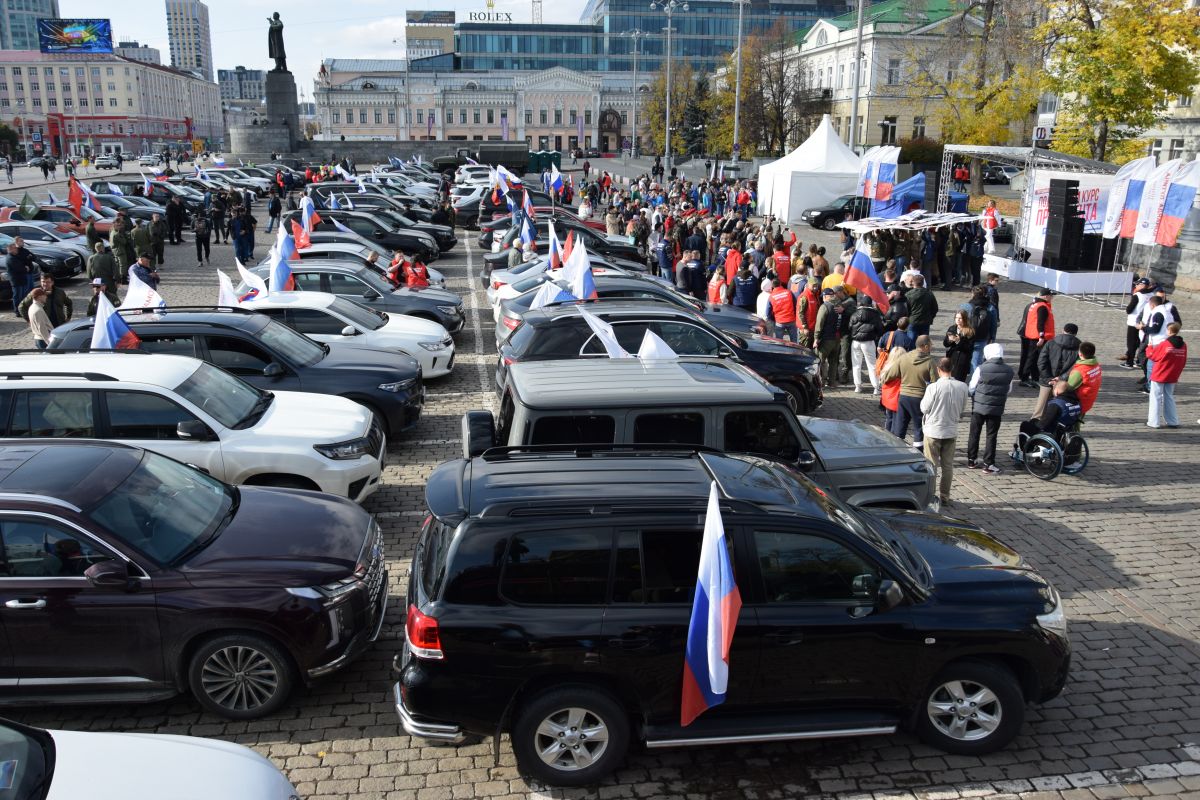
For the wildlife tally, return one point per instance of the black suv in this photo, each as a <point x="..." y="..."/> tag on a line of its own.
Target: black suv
<point x="128" y="576"/>
<point x="560" y="332"/>
<point x="270" y="355"/>
<point x="550" y="595"/>
<point x="596" y="242"/>
<point x="370" y="225"/>
<point x="828" y="216"/>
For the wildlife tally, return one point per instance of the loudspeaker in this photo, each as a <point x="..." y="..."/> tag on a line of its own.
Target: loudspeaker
<point x="1064" y="226"/>
<point x="933" y="180"/>
<point x="1097" y="253"/>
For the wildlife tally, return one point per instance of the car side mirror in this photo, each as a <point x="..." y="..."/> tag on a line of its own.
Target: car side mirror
<point x="889" y="595"/>
<point x="724" y="352"/>
<point x="349" y="330"/>
<point x="111" y="574"/>
<point x="865" y="586"/>
<point x="273" y="370"/>
<point x="378" y="234"/>
<point x="806" y="459"/>
<point x="192" y="430"/>
<point x="371" y="294"/>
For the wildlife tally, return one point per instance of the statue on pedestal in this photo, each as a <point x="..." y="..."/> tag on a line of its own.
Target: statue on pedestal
<point x="275" y="43"/>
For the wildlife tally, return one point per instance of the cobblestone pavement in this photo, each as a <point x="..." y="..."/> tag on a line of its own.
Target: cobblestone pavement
<point x="1120" y="542"/>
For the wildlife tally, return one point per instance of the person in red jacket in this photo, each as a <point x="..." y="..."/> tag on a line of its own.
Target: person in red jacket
<point x="781" y="309"/>
<point x="718" y="292"/>
<point x="1169" y="357"/>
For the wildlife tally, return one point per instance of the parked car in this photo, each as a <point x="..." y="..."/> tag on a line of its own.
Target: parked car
<point x="47" y="233"/>
<point x="161" y="192"/>
<point x="353" y="249"/>
<point x="828" y="216"/>
<point x="106" y="162"/>
<point x="365" y="285"/>
<point x="550" y="594"/>
<point x="64" y="219"/>
<point x="999" y="173"/>
<point x="637" y="287"/>
<point x="559" y="332"/>
<point x="600" y="244"/>
<point x="340" y="322"/>
<point x="62" y="263"/>
<point x="270" y="355"/>
<point x="503" y="221"/>
<point x="149" y="160"/>
<point x="132" y="209"/>
<point x="394" y="211"/>
<point x="505" y="283"/>
<point x="190" y="410"/>
<point x="132" y="576"/>
<point x="371" y="226"/>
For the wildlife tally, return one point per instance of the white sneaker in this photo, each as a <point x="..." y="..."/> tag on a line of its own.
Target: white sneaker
<point x="858" y="390"/>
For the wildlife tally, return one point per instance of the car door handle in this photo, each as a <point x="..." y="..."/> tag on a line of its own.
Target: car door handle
<point x="784" y="638"/>
<point x="34" y="604"/>
<point x="629" y="642"/>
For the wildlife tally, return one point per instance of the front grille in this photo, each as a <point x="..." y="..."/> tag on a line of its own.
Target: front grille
<point x="375" y="564"/>
<point x="375" y="436"/>
<point x="74" y="262"/>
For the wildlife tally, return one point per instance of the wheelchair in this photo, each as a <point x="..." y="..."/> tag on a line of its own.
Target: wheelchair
<point x="1046" y="456"/>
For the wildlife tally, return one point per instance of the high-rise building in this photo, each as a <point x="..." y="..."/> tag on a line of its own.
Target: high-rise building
<point x="190" y="36"/>
<point x="18" y="22"/>
<point x="240" y="83"/>
<point x="135" y="51"/>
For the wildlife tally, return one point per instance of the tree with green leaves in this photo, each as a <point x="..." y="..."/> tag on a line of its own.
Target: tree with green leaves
<point x="695" y="119"/>
<point x="653" y="112"/>
<point x="1115" y="64"/>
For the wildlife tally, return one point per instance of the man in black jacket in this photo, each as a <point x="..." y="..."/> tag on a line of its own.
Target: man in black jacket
<point x="175" y="215"/>
<point x="1055" y="360"/>
<point x="695" y="241"/>
<point x="866" y="325"/>
<point x="990" y="386"/>
<point x="21" y="264"/>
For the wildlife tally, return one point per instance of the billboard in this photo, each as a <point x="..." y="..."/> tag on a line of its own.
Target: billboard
<point x="429" y="17"/>
<point x="75" y="35"/>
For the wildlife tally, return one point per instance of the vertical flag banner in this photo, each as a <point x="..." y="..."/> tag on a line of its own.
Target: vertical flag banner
<point x="1153" y="197"/>
<point x="1181" y="195"/>
<point x="309" y="218"/>
<point x="714" y="616"/>
<point x="556" y="179"/>
<point x="110" y="331"/>
<point x="887" y="174"/>
<point x="861" y="274"/>
<point x="504" y="127"/>
<point x="429" y="126"/>
<point x="145" y="184"/>
<point x="141" y="294"/>
<point x="864" y="172"/>
<point x="225" y="294"/>
<point x="1125" y="196"/>
<point x="579" y="129"/>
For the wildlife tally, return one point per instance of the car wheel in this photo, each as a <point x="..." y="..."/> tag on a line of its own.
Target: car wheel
<point x="797" y="400"/>
<point x="971" y="708"/>
<point x="830" y="224"/>
<point x="570" y="736"/>
<point x="241" y="676"/>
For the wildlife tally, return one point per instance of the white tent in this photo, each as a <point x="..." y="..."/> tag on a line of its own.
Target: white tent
<point x="816" y="172"/>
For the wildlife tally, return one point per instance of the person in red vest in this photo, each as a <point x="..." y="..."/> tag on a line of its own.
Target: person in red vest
<point x="718" y="288"/>
<point x="1169" y="357"/>
<point x="991" y="221"/>
<point x="783" y="264"/>
<point x="1037" y="328"/>
<point x="417" y="275"/>
<point x="781" y="309"/>
<point x="396" y="268"/>
<point x="1085" y="377"/>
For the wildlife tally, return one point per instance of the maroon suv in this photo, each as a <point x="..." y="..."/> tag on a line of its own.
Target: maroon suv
<point x="125" y="575"/>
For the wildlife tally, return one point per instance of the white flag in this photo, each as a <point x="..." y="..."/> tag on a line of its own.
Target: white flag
<point x="252" y="280"/>
<point x="654" y="348"/>
<point x="225" y="294"/>
<point x="141" y="294"/>
<point x="604" y="333"/>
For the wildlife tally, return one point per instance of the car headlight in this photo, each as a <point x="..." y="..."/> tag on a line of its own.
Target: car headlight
<point x="330" y="592"/>
<point x="813" y="369"/>
<point x="451" y="310"/>
<point x="341" y="451"/>
<point x="433" y="346"/>
<point x="1055" y="620"/>
<point x="399" y="386"/>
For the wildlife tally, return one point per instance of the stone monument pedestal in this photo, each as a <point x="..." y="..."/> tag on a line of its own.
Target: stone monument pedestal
<point x="281" y="106"/>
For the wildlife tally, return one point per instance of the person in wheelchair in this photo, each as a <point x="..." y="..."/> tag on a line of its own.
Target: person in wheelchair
<point x="1060" y="415"/>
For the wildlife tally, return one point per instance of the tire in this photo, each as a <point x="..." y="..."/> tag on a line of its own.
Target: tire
<point x="212" y="669"/>
<point x="570" y="710"/>
<point x="1043" y="457"/>
<point x="797" y="400"/>
<point x="969" y="687"/>
<point x="829" y="224"/>
<point x="1075" y="454"/>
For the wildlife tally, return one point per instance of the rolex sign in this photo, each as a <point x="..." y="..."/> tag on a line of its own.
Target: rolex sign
<point x="489" y="16"/>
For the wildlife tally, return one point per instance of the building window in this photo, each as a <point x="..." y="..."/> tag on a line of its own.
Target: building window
<point x="1184" y="101"/>
<point x="112" y="87"/>
<point x="491" y="116"/>
<point x="841" y="76"/>
<point x="889" y="131"/>
<point x="858" y="126"/>
<point x="96" y="88"/>
<point x="96" y="71"/>
<point x="82" y="87"/>
<point x="16" y="70"/>
<point x="362" y="117"/>
<point x="574" y="116"/>
<point x="83" y="101"/>
<point x="475" y="116"/>
<point x="624" y="117"/>
<point x="558" y="116"/>
<point x="54" y="103"/>
<point x="462" y="116"/>
<point x="391" y="116"/>
<point x="337" y="116"/>
<point x="420" y="116"/>
<point x="1156" y="148"/>
<point x="542" y="117"/>
<point x="20" y="87"/>
<point x="67" y="102"/>
<point x="951" y="72"/>
<point x="893" y="71"/>
<point x="37" y="103"/>
<point x="108" y="71"/>
<point x="48" y="70"/>
<point x="432" y="116"/>
<point x="378" y="117"/>
<point x="587" y="118"/>
<point x="528" y="117"/>
<point x="1176" y="149"/>
<point x="34" y="86"/>
<point x="918" y="127"/>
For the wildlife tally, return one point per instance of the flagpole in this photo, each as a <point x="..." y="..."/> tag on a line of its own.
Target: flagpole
<point x="858" y="40"/>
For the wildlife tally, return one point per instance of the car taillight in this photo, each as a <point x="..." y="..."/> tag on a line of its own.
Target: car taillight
<point x="422" y="632"/>
<point x="510" y="323"/>
<point x="497" y="284"/>
<point x="508" y="360"/>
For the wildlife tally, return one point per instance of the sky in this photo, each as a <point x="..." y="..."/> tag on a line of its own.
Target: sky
<point x="312" y="32"/>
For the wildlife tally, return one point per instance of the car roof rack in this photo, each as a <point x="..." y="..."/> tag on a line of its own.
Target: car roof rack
<point x="87" y="376"/>
<point x="649" y="450"/>
<point x="23" y="351"/>
<point x="166" y="309"/>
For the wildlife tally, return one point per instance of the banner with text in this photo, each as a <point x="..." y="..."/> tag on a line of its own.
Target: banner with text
<point x="1093" y="199"/>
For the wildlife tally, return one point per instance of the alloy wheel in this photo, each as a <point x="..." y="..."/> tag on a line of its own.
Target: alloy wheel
<point x="239" y="678"/>
<point x="571" y="739"/>
<point x="964" y="710"/>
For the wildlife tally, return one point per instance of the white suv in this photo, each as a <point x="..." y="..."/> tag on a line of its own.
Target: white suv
<point x="198" y="414"/>
<point x="337" y="320"/>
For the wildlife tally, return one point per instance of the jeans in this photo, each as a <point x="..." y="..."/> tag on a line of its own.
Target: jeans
<point x="978" y="421"/>
<point x="977" y="355"/>
<point x="20" y="290"/>
<point x="1162" y="405"/>
<point x="889" y="419"/>
<point x="863" y="352"/>
<point x="941" y="453"/>
<point x="919" y="330"/>
<point x="243" y="250"/>
<point x="829" y="362"/>
<point x="909" y="410"/>
<point x="202" y="249"/>
<point x="785" y="330"/>
<point x="271" y="223"/>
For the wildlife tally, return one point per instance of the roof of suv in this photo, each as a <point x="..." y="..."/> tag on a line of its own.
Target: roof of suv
<point x="58" y="471"/>
<point x="242" y="319"/>
<point x="598" y="382"/>
<point x="548" y="482"/>
<point x="151" y="369"/>
<point x="640" y="309"/>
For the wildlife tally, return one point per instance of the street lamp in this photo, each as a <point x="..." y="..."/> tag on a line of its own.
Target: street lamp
<point x="737" y="92"/>
<point x="670" y="7"/>
<point x="636" y="35"/>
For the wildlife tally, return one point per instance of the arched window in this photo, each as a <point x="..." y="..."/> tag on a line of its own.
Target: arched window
<point x="822" y="38"/>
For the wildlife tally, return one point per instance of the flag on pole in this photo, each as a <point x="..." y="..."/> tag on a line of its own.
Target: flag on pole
<point x="556" y="178"/>
<point x="141" y="294"/>
<point x="225" y="294"/>
<point x="568" y="245"/>
<point x="721" y="174"/>
<point x="527" y="206"/>
<point x="579" y="127"/>
<point x="218" y="161"/>
<point x="713" y="175"/>
<point x="510" y="179"/>
<point x="577" y="270"/>
<point x="300" y="236"/>
<point x="655" y="349"/>
<point x="51" y="198"/>
<point x="1154" y="195"/>
<point x="527" y="234"/>
<point x="395" y="162"/>
<point x="334" y="205"/>
<point x="346" y="200"/>
<point x="1124" y="198"/>
<point x="550" y="293"/>
<point x="344" y="173"/>
<point x="281" y="276"/>
<point x="715" y="612"/>
<point x="1181" y="195"/>
<point x="114" y="189"/>
<point x="110" y="332"/>
<point x="604" y="333"/>
<point x="340" y="226"/>
<point x="471" y="161"/>
<point x="145" y="184"/>
<point x="28" y="207"/>
<point x="556" y="256"/>
<point x="309" y="218"/>
<point x="886" y="177"/>
<point x="256" y="286"/>
<point x="864" y="172"/>
<point x="861" y="274"/>
<point x="75" y="196"/>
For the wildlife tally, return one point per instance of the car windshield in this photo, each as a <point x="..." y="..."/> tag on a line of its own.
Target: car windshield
<point x="295" y="347"/>
<point x="373" y="279"/>
<point x="165" y="509"/>
<point x="462" y="191"/>
<point x="26" y="761"/>
<point x="358" y="314"/>
<point x="118" y="201"/>
<point x="231" y="401"/>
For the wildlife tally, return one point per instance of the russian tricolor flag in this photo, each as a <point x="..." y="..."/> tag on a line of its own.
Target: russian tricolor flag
<point x="527" y="206"/>
<point x="1181" y="195"/>
<point x="527" y="234"/>
<point x="1125" y="198"/>
<point x="714" y="616"/>
<point x="219" y="161"/>
<point x="861" y="274"/>
<point x="886" y="173"/>
<point x="556" y="181"/>
<point x="577" y="270"/>
<point x="309" y="218"/>
<point x="556" y="256"/>
<point x="110" y="331"/>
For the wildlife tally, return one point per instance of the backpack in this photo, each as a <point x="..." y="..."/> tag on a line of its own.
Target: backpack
<point x="981" y="319"/>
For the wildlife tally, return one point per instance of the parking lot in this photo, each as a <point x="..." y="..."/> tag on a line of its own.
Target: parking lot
<point x="1120" y="542"/>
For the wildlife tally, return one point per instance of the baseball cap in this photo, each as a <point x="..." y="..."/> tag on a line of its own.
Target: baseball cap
<point x="97" y="281"/>
<point x="1142" y="282"/>
<point x="829" y="292"/>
